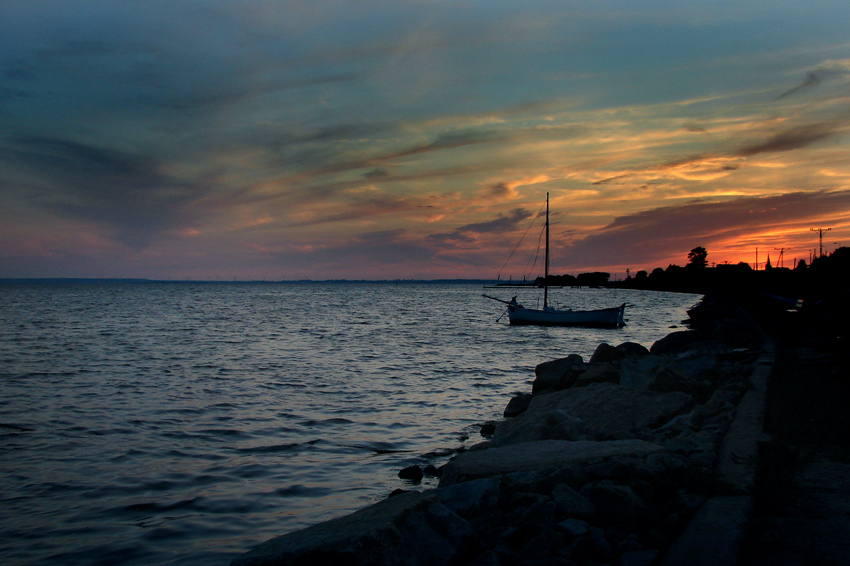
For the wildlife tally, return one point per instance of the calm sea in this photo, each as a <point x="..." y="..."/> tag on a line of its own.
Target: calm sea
<point x="179" y="423"/>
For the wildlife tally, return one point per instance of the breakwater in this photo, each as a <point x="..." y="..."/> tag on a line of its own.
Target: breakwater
<point x="634" y="456"/>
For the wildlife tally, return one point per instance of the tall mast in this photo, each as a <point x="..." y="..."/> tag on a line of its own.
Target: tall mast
<point x="546" y="263"/>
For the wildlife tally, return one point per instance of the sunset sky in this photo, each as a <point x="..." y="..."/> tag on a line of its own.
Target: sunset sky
<point x="260" y="139"/>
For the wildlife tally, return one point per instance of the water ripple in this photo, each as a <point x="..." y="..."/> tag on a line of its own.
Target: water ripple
<point x="147" y="424"/>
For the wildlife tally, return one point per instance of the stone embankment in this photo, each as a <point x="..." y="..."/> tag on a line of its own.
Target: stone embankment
<point x="633" y="457"/>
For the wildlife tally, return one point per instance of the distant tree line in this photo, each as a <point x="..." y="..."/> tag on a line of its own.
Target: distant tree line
<point x="828" y="273"/>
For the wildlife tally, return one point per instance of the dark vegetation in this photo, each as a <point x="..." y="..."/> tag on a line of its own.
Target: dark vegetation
<point x="827" y="275"/>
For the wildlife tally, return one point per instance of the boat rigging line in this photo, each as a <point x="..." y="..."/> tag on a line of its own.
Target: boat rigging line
<point x="533" y="220"/>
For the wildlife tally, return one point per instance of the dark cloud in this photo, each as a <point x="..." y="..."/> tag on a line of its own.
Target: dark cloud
<point x="498" y="190"/>
<point x="790" y="139"/>
<point x="502" y="224"/>
<point x="376" y="174"/>
<point x="460" y="237"/>
<point x="122" y="191"/>
<point x="814" y="79"/>
<point x="448" y="141"/>
<point x="609" y="180"/>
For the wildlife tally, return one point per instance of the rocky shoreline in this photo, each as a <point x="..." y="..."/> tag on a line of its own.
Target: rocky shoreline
<point x="633" y="457"/>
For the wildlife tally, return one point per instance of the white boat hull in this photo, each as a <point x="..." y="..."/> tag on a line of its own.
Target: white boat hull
<point x="610" y="317"/>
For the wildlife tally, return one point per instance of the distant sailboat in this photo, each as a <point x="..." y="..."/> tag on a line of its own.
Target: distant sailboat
<point x="549" y="316"/>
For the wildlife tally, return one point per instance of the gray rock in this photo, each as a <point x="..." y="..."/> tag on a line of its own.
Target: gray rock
<point x="429" y="537"/>
<point x="570" y="502"/>
<point x="632" y="350"/>
<point x="540" y="515"/>
<point x="412" y="473"/>
<point x="432" y="470"/>
<point x="487" y="429"/>
<point x="488" y="558"/>
<point x="542" y="547"/>
<point x="600" y="411"/>
<point x="675" y="342"/>
<point x="685" y="423"/>
<point x="695" y="365"/>
<point x="670" y="377"/>
<point x="543" y="425"/>
<point x="369" y="536"/>
<point x="517" y="405"/>
<point x="606" y="353"/>
<point x="603" y="372"/>
<point x="639" y="373"/>
<point x="469" y="497"/>
<point x="703" y="459"/>
<point x="691" y="443"/>
<point x="534" y="456"/>
<point x="573" y="528"/>
<point x="601" y="547"/>
<point x="630" y="543"/>
<point x="665" y="462"/>
<point x="637" y="558"/>
<point x="557" y="375"/>
<point x="723" y="401"/>
<point x="616" y="504"/>
<point x="713" y="537"/>
<point x="660" y="373"/>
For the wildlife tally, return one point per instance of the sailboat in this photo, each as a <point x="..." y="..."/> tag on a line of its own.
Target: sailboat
<point x="548" y="316"/>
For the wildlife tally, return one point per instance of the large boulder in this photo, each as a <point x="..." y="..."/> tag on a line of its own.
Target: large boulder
<point x="602" y="372"/>
<point x="537" y="456"/>
<point x="627" y="350"/>
<point x="606" y="353"/>
<point x="411" y="528"/>
<point x="676" y="342"/>
<point x="517" y="405"/>
<point x="601" y="411"/>
<point x="557" y="375"/>
<point x="665" y="374"/>
<point x="638" y="374"/>
<point x="616" y="504"/>
<point x="632" y="350"/>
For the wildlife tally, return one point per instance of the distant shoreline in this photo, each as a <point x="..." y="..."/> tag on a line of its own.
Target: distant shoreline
<point x="115" y="280"/>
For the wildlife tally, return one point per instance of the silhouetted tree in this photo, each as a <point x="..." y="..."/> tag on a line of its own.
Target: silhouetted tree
<point x="698" y="257"/>
<point x="593" y="279"/>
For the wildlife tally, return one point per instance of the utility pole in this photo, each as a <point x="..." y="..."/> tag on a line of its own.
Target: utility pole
<point x="781" y="253"/>
<point x="820" y="232"/>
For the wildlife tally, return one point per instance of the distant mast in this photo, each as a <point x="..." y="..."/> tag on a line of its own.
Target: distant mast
<point x="546" y="263"/>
